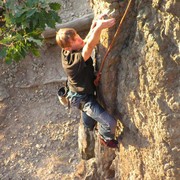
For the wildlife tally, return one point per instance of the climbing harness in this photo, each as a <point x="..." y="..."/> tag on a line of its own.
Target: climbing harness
<point x="97" y="80"/>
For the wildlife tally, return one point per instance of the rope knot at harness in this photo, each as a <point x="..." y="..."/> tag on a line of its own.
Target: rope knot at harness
<point x="97" y="80"/>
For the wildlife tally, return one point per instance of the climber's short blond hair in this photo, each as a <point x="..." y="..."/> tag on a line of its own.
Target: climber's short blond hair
<point x="64" y="35"/>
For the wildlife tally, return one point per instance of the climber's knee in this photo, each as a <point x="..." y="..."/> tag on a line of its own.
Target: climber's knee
<point x="106" y="119"/>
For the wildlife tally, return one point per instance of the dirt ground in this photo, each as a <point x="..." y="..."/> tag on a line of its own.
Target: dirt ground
<point x="38" y="136"/>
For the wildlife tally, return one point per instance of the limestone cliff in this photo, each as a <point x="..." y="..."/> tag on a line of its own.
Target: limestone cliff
<point x="140" y="85"/>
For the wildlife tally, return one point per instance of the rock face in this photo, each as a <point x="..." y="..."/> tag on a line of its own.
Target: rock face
<point x="140" y="84"/>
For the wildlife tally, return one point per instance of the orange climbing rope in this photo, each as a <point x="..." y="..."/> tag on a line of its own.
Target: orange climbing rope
<point x="97" y="80"/>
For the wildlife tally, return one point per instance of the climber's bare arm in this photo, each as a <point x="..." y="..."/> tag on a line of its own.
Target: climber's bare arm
<point x="94" y="35"/>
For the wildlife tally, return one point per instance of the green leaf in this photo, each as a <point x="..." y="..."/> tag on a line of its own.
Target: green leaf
<point x="10" y="4"/>
<point x="31" y="3"/>
<point x="36" y="33"/>
<point x="23" y="51"/>
<point x="6" y="40"/>
<point x="30" y="13"/>
<point x="56" y="17"/>
<point x="55" y="6"/>
<point x="3" y="52"/>
<point x="20" y="19"/>
<point x="35" y="52"/>
<point x="51" y="22"/>
<point x="37" y="41"/>
<point x="8" y="19"/>
<point x="18" y="37"/>
<point x="19" y="13"/>
<point x="8" y="60"/>
<point x="39" y="20"/>
<point x="17" y="56"/>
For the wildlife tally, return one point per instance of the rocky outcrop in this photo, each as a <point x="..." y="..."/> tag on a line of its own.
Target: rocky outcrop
<point x="140" y="85"/>
<point x="86" y="142"/>
<point x="80" y="25"/>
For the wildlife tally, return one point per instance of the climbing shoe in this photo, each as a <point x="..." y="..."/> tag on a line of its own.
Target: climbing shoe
<point x="109" y="143"/>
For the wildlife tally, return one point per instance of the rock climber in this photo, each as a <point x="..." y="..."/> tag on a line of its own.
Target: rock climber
<point x="78" y="65"/>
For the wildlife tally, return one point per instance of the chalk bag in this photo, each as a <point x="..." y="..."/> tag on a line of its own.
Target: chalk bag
<point x="62" y="96"/>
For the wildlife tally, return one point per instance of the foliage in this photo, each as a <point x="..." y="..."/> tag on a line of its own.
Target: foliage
<point x="24" y="22"/>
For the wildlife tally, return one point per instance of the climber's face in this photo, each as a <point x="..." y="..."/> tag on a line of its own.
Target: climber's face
<point x="75" y="44"/>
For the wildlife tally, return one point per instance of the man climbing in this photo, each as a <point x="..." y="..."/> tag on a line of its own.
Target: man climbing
<point x="78" y="65"/>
